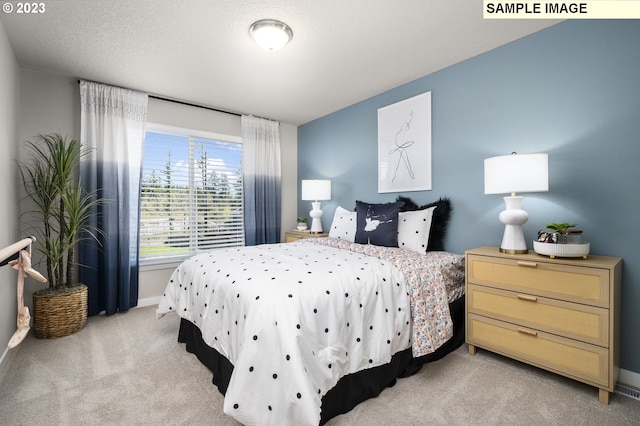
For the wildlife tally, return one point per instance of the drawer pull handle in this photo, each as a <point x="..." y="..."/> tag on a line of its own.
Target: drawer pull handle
<point x="527" y="264"/>
<point x="527" y="332"/>
<point x="527" y="298"/>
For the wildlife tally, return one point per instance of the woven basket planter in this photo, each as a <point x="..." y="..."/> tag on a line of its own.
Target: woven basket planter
<point x="59" y="312"/>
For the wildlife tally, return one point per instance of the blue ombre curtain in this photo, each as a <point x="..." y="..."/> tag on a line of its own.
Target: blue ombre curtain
<point x="261" y="175"/>
<point x="112" y="127"/>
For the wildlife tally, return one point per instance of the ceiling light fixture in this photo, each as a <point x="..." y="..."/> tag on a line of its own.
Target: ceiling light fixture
<point x="270" y="34"/>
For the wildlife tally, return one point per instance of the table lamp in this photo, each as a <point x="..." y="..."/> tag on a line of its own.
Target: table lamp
<point x="316" y="190"/>
<point x="510" y="174"/>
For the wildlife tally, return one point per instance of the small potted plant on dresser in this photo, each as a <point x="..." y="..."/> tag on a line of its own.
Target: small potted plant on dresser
<point x="302" y="224"/>
<point x="57" y="215"/>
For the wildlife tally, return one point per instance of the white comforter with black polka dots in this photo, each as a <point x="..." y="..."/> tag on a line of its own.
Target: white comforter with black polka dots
<point x="293" y="319"/>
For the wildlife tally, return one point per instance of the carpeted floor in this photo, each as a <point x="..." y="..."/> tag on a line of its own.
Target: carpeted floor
<point x="128" y="369"/>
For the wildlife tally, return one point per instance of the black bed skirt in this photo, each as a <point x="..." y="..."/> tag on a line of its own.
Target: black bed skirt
<point x="351" y="389"/>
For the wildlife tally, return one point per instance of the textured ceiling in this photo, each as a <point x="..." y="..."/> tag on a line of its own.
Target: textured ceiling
<point x="199" y="51"/>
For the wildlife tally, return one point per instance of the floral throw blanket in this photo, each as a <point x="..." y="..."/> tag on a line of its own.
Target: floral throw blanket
<point x="434" y="280"/>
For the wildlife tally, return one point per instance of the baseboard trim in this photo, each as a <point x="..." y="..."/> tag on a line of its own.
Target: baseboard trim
<point x="629" y="378"/>
<point x="148" y="301"/>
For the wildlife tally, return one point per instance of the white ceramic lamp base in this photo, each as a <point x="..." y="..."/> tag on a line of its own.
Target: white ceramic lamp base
<point x="513" y="217"/>
<point x="316" y="215"/>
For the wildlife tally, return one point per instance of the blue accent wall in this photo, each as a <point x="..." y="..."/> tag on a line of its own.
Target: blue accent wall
<point x="572" y="90"/>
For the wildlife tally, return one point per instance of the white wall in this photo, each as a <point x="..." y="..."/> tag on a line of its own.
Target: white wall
<point x="50" y="103"/>
<point x="9" y="104"/>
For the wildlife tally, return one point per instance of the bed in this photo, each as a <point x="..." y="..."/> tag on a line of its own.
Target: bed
<point x="298" y="333"/>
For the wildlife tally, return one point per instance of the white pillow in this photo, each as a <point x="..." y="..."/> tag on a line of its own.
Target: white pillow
<point x="343" y="226"/>
<point x="414" y="228"/>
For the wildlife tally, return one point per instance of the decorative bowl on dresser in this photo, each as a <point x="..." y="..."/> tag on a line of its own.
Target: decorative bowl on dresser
<point x="562" y="314"/>
<point x="562" y="250"/>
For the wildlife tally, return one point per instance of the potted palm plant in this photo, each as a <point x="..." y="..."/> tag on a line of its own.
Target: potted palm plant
<point x="57" y="216"/>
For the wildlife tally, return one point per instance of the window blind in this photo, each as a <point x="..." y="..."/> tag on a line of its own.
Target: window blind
<point x="191" y="195"/>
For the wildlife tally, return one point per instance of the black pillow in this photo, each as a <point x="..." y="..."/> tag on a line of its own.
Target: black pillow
<point x="377" y="223"/>
<point x="439" y="222"/>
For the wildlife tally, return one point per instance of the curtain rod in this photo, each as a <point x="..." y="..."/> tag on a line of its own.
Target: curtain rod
<point x="180" y="102"/>
<point x="193" y="105"/>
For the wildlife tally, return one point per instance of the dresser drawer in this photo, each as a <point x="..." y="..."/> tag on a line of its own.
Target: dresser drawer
<point x="558" y="281"/>
<point x="568" y="357"/>
<point x="587" y="323"/>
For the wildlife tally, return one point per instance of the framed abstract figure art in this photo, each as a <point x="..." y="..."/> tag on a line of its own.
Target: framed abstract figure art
<point x="404" y="145"/>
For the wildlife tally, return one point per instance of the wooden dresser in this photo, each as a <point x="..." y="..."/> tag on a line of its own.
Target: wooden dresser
<point x="559" y="314"/>
<point x="291" y="236"/>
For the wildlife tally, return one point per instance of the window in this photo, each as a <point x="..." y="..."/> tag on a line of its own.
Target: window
<point x="191" y="193"/>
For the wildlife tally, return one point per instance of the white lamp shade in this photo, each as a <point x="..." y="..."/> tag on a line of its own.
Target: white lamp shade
<point x="516" y="173"/>
<point x="316" y="190"/>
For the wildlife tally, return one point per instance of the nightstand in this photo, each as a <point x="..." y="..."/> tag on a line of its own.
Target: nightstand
<point x="562" y="314"/>
<point x="291" y="236"/>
